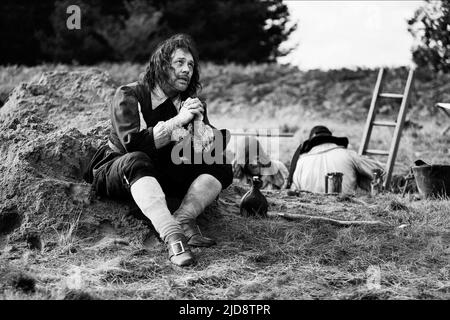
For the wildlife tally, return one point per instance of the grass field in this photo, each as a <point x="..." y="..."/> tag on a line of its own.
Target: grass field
<point x="272" y="258"/>
<point x="257" y="258"/>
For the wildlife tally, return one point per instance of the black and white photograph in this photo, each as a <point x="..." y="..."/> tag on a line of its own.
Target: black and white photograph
<point x="224" y="155"/>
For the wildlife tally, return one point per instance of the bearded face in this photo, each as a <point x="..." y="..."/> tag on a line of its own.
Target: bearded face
<point x="180" y="71"/>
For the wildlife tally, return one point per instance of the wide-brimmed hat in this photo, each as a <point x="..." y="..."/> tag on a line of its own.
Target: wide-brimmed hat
<point x="319" y="131"/>
<point x="321" y="134"/>
<point x="250" y="152"/>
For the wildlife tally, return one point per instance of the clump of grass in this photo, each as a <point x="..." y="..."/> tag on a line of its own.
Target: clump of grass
<point x="66" y="237"/>
<point x="131" y="271"/>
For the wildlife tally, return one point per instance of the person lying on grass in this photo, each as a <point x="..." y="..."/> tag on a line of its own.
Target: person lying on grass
<point x="251" y="160"/>
<point x="323" y="153"/>
<point x="150" y="119"/>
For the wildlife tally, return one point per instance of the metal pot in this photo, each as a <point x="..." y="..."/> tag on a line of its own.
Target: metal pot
<point x="432" y="180"/>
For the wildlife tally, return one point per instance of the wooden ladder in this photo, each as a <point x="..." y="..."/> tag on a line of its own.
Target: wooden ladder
<point x="404" y="100"/>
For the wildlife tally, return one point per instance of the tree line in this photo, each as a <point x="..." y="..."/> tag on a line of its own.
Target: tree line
<point x="430" y="27"/>
<point x="244" y="31"/>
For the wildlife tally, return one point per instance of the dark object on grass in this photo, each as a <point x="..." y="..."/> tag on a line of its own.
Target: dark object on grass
<point x="254" y="203"/>
<point x="432" y="180"/>
<point x="335" y="222"/>
<point x="396" y="206"/>
<point x="23" y="282"/>
<point x="34" y="241"/>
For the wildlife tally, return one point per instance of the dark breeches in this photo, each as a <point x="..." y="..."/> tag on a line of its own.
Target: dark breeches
<point x="114" y="179"/>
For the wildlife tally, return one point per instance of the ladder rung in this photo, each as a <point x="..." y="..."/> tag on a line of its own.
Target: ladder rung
<point x="377" y="152"/>
<point x="391" y="95"/>
<point x="384" y="123"/>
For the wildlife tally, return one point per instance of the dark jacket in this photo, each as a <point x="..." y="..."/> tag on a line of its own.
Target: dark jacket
<point x="126" y="134"/>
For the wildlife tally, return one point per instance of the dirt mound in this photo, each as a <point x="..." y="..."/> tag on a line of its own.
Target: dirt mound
<point x="49" y="130"/>
<point x="65" y="99"/>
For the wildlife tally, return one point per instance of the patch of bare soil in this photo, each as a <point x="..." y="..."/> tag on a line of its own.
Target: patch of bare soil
<point x="50" y="128"/>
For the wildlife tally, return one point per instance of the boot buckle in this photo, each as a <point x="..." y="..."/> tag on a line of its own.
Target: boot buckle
<point x="177" y="247"/>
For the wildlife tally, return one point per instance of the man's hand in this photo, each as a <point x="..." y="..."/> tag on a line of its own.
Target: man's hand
<point x="184" y="116"/>
<point x="195" y="106"/>
<point x="190" y="109"/>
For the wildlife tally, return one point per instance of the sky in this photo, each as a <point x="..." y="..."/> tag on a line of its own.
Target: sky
<point x="340" y="33"/>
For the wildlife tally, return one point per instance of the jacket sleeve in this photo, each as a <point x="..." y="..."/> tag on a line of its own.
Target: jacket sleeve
<point x="128" y="122"/>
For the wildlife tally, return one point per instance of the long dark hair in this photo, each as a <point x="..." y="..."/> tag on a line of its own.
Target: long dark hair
<point x="157" y="71"/>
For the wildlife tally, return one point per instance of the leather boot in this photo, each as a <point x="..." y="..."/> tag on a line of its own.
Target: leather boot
<point x="202" y="192"/>
<point x="194" y="235"/>
<point x="179" y="252"/>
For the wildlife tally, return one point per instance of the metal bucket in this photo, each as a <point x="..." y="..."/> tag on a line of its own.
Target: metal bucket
<point x="433" y="180"/>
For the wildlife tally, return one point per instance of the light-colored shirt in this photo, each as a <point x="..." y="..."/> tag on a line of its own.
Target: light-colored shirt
<point x="312" y="167"/>
<point x="276" y="180"/>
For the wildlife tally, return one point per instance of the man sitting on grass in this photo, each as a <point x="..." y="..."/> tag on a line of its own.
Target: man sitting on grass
<point x="324" y="153"/>
<point x="148" y="120"/>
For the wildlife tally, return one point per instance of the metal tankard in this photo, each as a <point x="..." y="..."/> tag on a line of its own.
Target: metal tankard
<point x="333" y="182"/>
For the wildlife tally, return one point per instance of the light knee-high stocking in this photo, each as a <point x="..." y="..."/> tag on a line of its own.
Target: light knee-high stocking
<point x="150" y="198"/>
<point x="202" y="192"/>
